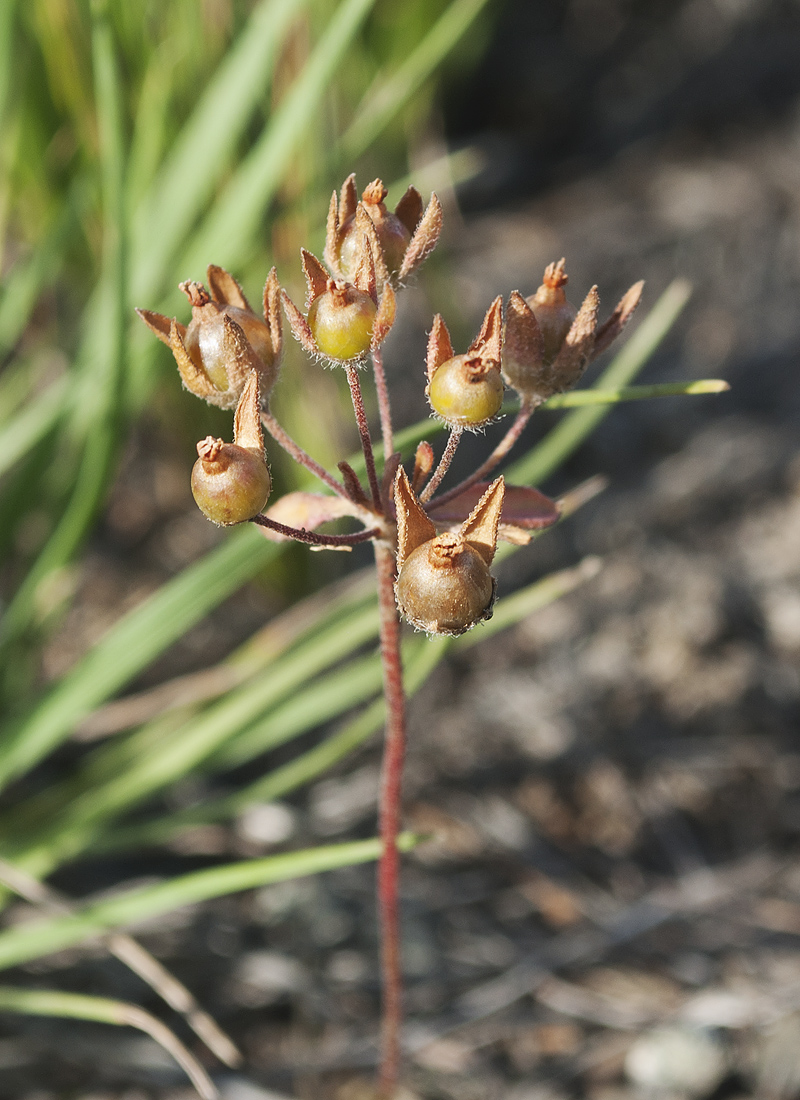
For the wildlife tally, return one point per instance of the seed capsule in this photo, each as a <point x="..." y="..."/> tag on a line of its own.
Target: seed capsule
<point x="393" y="237"/>
<point x="443" y="583"/>
<point x="466" y="391"/>
<point x="230" y="483"/>
<point x="553" y="312"/>
<point x="341" y="321"/>
<point x="205" y="342"/>
<point x="444" y="586"/>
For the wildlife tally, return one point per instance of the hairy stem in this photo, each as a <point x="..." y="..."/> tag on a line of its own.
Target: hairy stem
<point x="384" y="408"/>
<point x="391" y="787"/>
<point x="300" y="534"/>
<point x="497" y="455"/>
<point x="444" y="465"/>
<point x="363" y="430"/>
<point x="283" y="439"/>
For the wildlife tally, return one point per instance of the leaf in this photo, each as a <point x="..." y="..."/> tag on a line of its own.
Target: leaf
<point x="522" y="507"/>
<point x="307" y="511"/>
<point x="32" y="941"/>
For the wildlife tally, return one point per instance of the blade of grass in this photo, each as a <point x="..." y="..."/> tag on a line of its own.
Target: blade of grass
<point x="32" y="423"/>
<point x="578" y="398"/>
<point x="133" y="776"/>
<point x="205" y="146"/>
<point x="134" y="956"/>
<point x="420" y="657"/>
<point x="79" y="1006"/>
<point x="131" y="645"/>
<point x="108" y="370"/>
<point x="31" y="941"/>
<point x="383" y="103"/>
<point x="568" y="435"/>
<point x="234" y="224"/>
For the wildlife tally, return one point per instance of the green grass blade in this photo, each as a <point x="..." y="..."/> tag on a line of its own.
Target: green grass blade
<point x="132" y="644"/>
<point x="31" y="941"/>
<point x="79" y="1006"/>
<point x="206" y="144"/>
<point x="383" y="102"/>
<point x="228" y="233"/>
<point x="108" y="368"/>
<point x="32" y="423"/>
<point x="564" y="439"/>
<point x="317" y="702"/>
<point x="576" y="399"/>
<point x="421" y="656"/>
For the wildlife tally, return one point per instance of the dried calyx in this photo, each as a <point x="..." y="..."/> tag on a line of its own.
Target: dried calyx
<point x="345" y="320"/>
<point x="231" y="481"/>
<point x="225" y="340"/>
<point x="466" y="390"/>
<point x="399" y="241"/>
<point x="443" y="583"/>
<point x="549" y="344"/>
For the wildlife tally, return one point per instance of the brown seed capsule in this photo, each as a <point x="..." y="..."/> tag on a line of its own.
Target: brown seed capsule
<point x="553" y="312"/>
<point x="399" y="241"/>
<point x="224" y="340"/>
<point x="443" y="584"/>
<point x="230" y="481"/>
<point x="393" y="236"/>
<point x="230" y="484"/>
<point x="206" y="344"/>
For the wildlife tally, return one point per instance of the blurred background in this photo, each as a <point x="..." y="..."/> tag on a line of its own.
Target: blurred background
<point x="612" y="904"/>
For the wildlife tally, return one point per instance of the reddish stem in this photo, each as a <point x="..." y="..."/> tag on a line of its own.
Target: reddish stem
<point x="497" y="455"/>
<point x="444" y="465"/>
<point x="391" y="787"/>
<point x="300" y="534"/>
<point x="283" y="439"/>
<point x="363" y="430"/>
<point x="384" y="408"/>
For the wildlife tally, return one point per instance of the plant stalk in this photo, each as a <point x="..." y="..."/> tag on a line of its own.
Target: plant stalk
<point x="384" y="407"/>
<point x="390" y="805"/>
<point x="354" y="383"/>
<point x="444" y="465"/>
<point x="497" y="455"/>
<point x="295" y="451"/>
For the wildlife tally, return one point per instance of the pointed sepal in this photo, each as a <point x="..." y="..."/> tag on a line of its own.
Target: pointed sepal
<point x="610" y="329"/>
<point x="413" y="526"/>
<point x="409" y="209"/>
<point x="479" y="529"/>
<point x="317" y="277"/>
<point x="424" y="240"/>
<point x="299" y="326"/>
<point x="193" y="377"/>
<point x="247" y="418"/>
<point x="224" y="288"/>
<point x="572" y="359"/>
<point x="440" y="346"/>
<point x="161" y="325"/>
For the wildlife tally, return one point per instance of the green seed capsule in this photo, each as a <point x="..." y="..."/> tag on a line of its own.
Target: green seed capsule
<point x="341" y="321"/>
<point x="230" y="484"/>
<point x="466" y="391"/>
<point x="204" y="342"/>
<point x="444" y="586"/>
